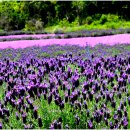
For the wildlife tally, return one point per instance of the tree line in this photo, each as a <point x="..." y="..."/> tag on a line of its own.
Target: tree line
<point x="16" y="15"/>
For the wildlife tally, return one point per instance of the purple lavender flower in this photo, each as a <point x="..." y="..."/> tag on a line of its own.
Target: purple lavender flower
<point x="17" y="115"/>
<point x="113" y="104"/>
<point x="66" y="98"/>
<point x="59" y="125"/>
<point x="85" y="105"/>
<point x="55" y="124"/>
<point x="125" y="124"/>
<point x="24" y="117"/>
<point x="35" y="113"/>
<point x="1" y="127"/>
<point x="111" y="125"/>
<point x="90" y="125"/>
<point x="125" y="112"/>
<point x="77" y="120"/>
<point x="66" y="126"/>
<point x="49" y="98"/>
<point x="62" y="105"/>
<point x="1" y="81"/>
<point x="51" y="127"/>
<point x="39" y="122"/>
<point x="119" y="112"/>
<point x="106" y="121"/>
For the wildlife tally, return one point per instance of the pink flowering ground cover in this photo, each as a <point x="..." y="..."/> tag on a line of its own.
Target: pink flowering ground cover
<point x="92" y="41"/>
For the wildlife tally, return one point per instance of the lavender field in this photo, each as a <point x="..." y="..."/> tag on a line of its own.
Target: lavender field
<point x="64" y="64"/>
<point x="60" y="87"/>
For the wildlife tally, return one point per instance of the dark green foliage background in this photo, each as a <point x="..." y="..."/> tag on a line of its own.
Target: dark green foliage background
<point x="15" y="14"/>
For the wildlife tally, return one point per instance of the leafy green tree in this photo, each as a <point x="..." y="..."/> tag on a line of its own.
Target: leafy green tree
<point x="12" y="15"/>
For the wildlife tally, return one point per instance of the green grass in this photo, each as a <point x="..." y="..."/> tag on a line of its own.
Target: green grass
<point x="44" y="54"/>
<point x="93" y="26"/>
<point x="2" y="90"/>
<point x="127" y="48"/>
<point x="115" y="51"/>
<point x="17" y="57"/>
<point x="59" y="53"/>
<point x="51" y="112"/>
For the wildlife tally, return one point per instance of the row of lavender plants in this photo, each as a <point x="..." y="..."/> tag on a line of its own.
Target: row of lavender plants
<point x="59" y="34"/>
<point x="65" y="91"/>
<point x="20" y="32"/>
<point x="57" y="50"/>
<point x="83" y="33"/>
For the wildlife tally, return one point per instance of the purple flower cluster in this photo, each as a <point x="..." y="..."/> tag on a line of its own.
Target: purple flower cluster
<point x="57" y="124"/>
<point x="98" y="88"/>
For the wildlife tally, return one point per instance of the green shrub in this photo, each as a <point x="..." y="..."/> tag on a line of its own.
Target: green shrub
<point x="89" y="20"/>
<point x="59" y="53"/>
<point x="75" y="23"/>
<point x="33" y="25"/>
<point x="112" y="18"/>
<point x="109" y="18"/>
<point x="112" y="25"/>
<point x="1" y="30"/>
<point x="64" y="23"/>
<point x="96" y="16"/>
<point x="39" y="25"/>
<point x="97" y="22"/>
<point x="44" y="54"/>
<point x="2" y="33"/>
<point x="103" y="19"/>
<point x="30" y="25"/>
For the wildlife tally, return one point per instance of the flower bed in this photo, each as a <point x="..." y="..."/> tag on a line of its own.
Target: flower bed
<point x="65" y="90"/>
